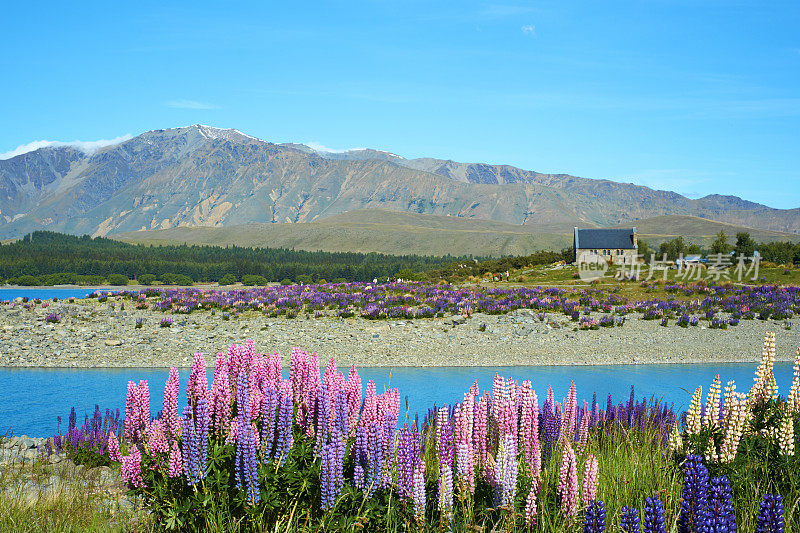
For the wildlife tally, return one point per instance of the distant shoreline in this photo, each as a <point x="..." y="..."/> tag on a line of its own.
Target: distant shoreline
<point x="92" y="334"/>
<point x="115" y="288"/>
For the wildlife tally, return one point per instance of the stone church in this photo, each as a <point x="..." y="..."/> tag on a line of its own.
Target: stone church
<point x="616" y="246"/>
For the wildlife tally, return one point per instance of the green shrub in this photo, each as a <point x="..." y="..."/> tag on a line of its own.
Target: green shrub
<point x="286" y="281"/>
<point x="176" y="279"/>
<point x="168" y="278"/>
<point x="228" y="279"/>
<point x="147" y="279"/>
<point x="183" y="280"/>
<point x="118" y="279"/>
<point x="26" y="280"/>
<point x="254" y="279"/>
<point x="305" y="279"/>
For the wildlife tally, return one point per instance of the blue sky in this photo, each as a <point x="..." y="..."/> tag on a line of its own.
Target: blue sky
<point x="694" y="96"/>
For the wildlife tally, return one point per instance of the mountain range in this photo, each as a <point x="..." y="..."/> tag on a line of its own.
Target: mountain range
<point x="201" y="176"/>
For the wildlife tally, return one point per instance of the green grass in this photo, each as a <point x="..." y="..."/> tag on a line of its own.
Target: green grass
<point x="79" y="503"/>
<point x="564" y="278"/>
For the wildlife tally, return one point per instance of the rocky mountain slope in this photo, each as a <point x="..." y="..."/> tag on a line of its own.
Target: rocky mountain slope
<point x="203" y="176"/>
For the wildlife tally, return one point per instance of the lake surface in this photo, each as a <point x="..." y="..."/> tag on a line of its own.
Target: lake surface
<point x="32" y="399"/>
<point x="49" y="293"/>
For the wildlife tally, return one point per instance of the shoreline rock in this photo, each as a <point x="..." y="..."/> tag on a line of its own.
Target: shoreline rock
<point x="92" y="334"/>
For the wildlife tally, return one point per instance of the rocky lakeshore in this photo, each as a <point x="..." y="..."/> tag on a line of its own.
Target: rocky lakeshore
<point x="29" y="474"/>
<point x="104" y="334"/>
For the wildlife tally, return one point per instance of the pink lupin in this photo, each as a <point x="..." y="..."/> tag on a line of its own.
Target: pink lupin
<point x="352" y="390"/>
<point x="273" y="370"/>
<point x="220" y="395"/>
<point x="536" y="456"/>
<point x="255" y="380"/>
<point x="568" y="481"/>
<point x="169" y="410"/>
<point x="388" y="404"/>
<point x="131" y="412"/>
<point x="131" y="468"/>
<point x="197" y="387"/>
<point x="142" y="410"/>
<point x="249" y="353"/>
<point x="591" y="480"/>
<point x="583" y="433"/>
<point x="175" y="461"/>
<point x="234" y="363"/>
<point x="530" y="508"/>
<point x="370" y="412"/>
<point x="529" y="421"/>
<point x="474" y="390"/>
<point x="570" y="412"/>
<point x="157" y="438"/>
<point x="482" y="432"/>
<point x="113" y="447"/>
<point x="332" y="381"/>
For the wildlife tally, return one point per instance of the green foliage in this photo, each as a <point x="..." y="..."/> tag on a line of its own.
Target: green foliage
<point x="228" y="279"/>
<point x="643" y="249"/>
<point x="744" y="245"/>
<point x="473" y="267"/>
<point x="252" y="279"/>
<point x="305" y="279"/>
<point x="43" y="253"/>
<point x="62" y="278"/>
<point x="68" y="501"/>
<point x="286" y="281"/>
<point x="408" y="274"/>
<point x="176" y="279"/>
<point x="780" y="253"/>
<point x="147" y="279"/>
<point x="290" y="494"/>
<point x="118" y="279"/>
<point x="720" y="244"/>
<point x="26" y="280"/>
<point x="675" y="248"/>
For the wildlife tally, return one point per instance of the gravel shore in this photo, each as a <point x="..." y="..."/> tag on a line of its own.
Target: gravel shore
<point x="94" y="334"/>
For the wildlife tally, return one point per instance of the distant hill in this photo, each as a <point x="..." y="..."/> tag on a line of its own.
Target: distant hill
<point x="390" y="232"/>
<point x="700" y="231"/>
<point x="201" y="176"/>
<point x="374" y="230"/>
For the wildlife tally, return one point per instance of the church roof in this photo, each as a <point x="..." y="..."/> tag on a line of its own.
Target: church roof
<point x="604" y="238"/>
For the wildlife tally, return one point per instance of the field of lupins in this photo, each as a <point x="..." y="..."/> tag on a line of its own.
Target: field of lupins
<point x="683" y="305"/>
<point x="320" y="451"/>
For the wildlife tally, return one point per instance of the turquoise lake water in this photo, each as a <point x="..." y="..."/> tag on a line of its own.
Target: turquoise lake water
<point x="32" y="399"/>
<point x="44" y="294"/>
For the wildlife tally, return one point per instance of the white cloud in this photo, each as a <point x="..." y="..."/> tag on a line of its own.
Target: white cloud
<point x="190" y="104"/>
<point x="88" y="147"/>
<point x="319" y="147"/>
<point x="529" y="29"/>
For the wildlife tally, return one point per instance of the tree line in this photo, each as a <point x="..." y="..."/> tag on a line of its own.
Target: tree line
<point x="47" y="258"/>
<point x="778" y="252"/>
